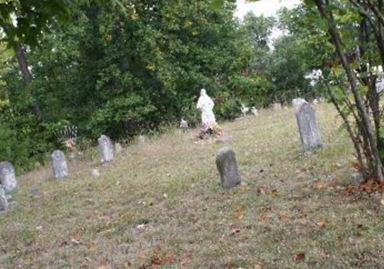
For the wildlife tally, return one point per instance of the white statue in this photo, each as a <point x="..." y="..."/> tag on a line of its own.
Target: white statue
<point x="205" y="105"/>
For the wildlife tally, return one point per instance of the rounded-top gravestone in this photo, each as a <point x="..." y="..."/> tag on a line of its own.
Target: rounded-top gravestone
<point x="227" y="165"/>
<point x="59" y="164"/>
<point x="106" y="149"/>
<point x="7" y="177"/>
<point x="308" y="128"/>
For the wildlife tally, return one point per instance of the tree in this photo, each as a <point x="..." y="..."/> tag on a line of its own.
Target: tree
<point x="125" y="71"/>
<point x="357" y="103"/>
<point x="258" y="30"/>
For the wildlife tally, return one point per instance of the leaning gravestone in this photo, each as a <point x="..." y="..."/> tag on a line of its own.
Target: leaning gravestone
<point x="106" y="149"/>
<point x="7" y="177"/>
<point x="309" y="131"/>
<point x="59" y="164"/>
<point x="227" y="166"/>
<point x="3" y="200"/>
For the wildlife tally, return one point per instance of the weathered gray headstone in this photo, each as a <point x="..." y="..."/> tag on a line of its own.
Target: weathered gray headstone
<point x="7" y="177"/>
<point x="227" y="166"/>
<point x="141" y="140"/>
<point x="59" y="164"/>
<point x="309" y="131"/>
<point x="183" y="125"/>
<point x="3" y="200"/>
<point x="106" y="149"/>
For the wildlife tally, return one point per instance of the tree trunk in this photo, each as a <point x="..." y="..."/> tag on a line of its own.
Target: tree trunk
<point x="27" y="76"/>
<point x="25" y="73"/>
<point x="363" y="113"/>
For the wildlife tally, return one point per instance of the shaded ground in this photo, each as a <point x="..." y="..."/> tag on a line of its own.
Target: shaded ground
<point x="160" y="206"/>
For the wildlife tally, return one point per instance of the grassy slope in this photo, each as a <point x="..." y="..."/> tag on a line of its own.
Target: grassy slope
<point x="161" y="204"/>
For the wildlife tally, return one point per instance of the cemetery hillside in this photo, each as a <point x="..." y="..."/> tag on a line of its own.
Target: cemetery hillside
<point x="160" y="205"/>
<point x="191" y="134"/>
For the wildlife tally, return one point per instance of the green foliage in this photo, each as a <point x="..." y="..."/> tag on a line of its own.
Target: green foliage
<point x="126" y="68"/>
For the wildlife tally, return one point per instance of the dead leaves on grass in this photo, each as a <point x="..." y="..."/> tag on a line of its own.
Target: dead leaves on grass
<point x="240" y="213"/>
<point x="369" y="187"/>
<point x="159" y="258"/>
<point x="264" y="191"/>
<point x="321" y="224"/>
<point x="299" y="257"/>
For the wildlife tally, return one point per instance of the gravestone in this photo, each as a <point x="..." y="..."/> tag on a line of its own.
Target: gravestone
<point x="106" y="149"/>
<point x="3" y="200"/>
<point x="309" y="131"/>
<point x="59" y="164"/>
<point x="227" y="166"/>
<point x="141" y="140"/>
<point x="184" y="125"/>
<point x="7" y="177"/>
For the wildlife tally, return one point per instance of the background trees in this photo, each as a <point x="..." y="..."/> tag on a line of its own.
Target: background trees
<point x="127" y="66"/>
<point x="120" y="68"/>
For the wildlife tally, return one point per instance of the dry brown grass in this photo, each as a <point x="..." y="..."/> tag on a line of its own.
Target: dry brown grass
<point x="160" y="206"/>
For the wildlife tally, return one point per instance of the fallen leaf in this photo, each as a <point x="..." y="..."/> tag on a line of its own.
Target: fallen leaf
<point x="76" y="242"/>
<point x="239" y="213"/>
<point x="320" y="185"/>
<point x="356" y="166"/>
<point x="186" y="260"/>
<point x="262" y="217"/>
<point x="274" y="193"/>
<point x="262" y="190"/>
<point x="299" y="257"/>
<point x="321" y="224"/>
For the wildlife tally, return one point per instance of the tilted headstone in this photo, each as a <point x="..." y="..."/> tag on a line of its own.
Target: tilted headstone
<point x="309" y="131"/>
<point x="7" y="177"/>
<point x="227" y="166"/>
<point x="59" y="164"/>
<point x="106" y="149"/>
<point x="3" y="200"/>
